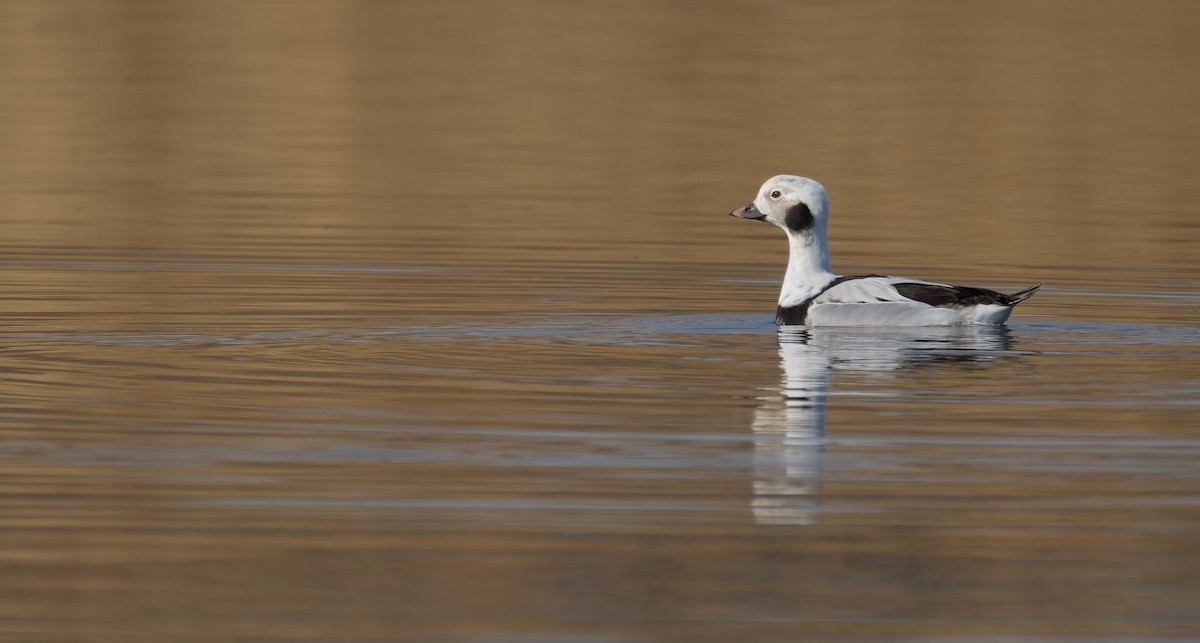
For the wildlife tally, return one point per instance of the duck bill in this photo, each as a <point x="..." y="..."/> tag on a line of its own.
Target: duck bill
<point x="748" y="211"/>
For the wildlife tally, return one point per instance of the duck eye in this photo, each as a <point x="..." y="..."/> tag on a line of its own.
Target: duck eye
<point x="775" y="194"/>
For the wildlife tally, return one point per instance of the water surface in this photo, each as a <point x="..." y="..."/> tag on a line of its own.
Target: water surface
<point x="357" y="321"/>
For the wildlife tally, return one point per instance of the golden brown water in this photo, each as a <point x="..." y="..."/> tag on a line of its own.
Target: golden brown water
<point x="358" y="321"/>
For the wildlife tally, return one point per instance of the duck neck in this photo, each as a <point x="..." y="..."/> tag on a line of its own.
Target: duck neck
<point x="808" y="267"/>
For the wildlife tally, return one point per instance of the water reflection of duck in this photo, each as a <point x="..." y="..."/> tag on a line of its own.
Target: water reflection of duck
<point x="789" y="427"/>
<point x="812" y="295"/>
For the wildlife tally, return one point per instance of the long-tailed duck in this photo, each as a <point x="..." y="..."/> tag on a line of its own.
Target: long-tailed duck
<point x="814" y="296"/>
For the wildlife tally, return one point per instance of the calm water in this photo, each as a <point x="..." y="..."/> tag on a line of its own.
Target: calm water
<point x="358" y="321"/>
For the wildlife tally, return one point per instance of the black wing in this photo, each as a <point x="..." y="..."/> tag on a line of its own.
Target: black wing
<point x="953" y="296"/>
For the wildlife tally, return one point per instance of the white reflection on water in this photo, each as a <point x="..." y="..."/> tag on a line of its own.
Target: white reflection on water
<point x="789" y="427"/>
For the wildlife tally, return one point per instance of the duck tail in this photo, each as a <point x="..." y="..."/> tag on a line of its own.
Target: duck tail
<point x="1021" y="295"/>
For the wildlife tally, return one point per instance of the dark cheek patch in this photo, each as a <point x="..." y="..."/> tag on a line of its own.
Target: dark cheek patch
<point x="798" y="218"/>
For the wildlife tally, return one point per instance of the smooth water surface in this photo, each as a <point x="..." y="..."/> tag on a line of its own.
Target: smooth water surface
<point x="358" y="321"/>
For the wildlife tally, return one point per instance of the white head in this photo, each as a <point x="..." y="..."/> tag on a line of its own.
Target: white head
<point x="797" y="204"/>
<point x="801" y="207"/>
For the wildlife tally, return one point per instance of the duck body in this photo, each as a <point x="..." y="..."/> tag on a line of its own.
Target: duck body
<point x="872" y="300"/>
<point x="813" y="295"/>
